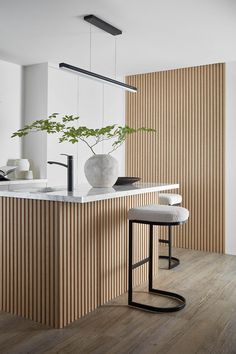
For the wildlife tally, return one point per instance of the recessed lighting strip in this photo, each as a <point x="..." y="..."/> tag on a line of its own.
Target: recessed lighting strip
<point x="98" y="77"/>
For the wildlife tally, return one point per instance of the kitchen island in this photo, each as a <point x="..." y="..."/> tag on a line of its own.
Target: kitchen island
<point x="63" y="254"/>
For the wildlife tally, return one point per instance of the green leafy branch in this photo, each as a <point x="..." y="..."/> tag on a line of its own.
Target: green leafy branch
<point x="73" y="134"/>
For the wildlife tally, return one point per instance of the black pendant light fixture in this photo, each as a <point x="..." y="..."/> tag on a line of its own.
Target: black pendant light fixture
<point x="111" y="30"/>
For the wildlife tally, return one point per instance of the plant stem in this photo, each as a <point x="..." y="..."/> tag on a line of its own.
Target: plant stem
<point x="88" y="145"/>
<point x="117" y="146"/>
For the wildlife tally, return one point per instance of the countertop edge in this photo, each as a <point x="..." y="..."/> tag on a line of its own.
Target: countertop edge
<point x="90" y="199"/>
<point x="24" y="194"/>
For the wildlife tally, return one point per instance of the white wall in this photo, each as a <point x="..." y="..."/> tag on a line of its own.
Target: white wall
<point x="35" y="107"/>
<point x="10" y="110"/>
<point x="67" y="93"/>
<point x="230" y="159"/>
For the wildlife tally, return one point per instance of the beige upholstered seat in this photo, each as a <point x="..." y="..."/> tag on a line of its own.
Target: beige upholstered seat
<point x="169" y="199"/>
<point x="159" y="213"/>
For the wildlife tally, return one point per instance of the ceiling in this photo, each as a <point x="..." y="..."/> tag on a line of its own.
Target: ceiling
<point x="157" y="35"/>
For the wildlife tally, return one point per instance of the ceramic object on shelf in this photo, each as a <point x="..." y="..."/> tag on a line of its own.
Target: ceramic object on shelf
<point x="25" y="174"/>
<point x="101" y="170"/>
<point x="22" y="165"/>
<point x="29" y="174"/>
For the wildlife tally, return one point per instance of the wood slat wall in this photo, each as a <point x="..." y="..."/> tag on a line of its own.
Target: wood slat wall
<point x="59" y="261"/>
<point x="186" y="107"/>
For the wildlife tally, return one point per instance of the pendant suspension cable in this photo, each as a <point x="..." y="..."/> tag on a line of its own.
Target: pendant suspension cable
<point x="103" y="104"/>
<point x="90" y="47"/>
<point x="103" y="112"/>
<point x="115" y="57"/>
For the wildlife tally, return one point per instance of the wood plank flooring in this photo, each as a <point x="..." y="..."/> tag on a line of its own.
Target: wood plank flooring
<point x="206" y="325"/>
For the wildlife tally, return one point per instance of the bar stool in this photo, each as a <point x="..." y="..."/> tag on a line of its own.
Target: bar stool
<point x="172" y="200"/>
<point x="152" y="215"/>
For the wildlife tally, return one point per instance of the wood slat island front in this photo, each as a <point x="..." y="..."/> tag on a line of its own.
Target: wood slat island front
<point x="62" y="259"/>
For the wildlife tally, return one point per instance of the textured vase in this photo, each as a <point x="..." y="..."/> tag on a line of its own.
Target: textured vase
<point x="101" y="171"/>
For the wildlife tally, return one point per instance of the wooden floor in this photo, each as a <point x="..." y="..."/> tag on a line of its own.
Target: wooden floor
<point x="206" y="325"/>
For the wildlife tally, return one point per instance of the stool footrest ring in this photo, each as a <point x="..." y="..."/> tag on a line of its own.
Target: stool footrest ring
<point x="179" y="298"/>
<point x="174" y="261"/>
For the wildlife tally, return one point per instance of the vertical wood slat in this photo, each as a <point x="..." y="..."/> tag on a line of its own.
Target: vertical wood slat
<point x="186" y="107"/>
<point x="59" y="261"/>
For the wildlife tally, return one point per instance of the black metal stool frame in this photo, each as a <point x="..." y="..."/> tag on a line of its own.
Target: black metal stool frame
<point x="179" y="298"/>
<point x="172" y="261"/>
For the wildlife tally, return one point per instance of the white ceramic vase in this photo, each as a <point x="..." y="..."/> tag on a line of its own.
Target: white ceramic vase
<point x="101" y="171"/>
<point x="22" y="165"/>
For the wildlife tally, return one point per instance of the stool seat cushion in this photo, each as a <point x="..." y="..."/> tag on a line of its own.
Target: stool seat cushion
<point x="169" y="199"/>
<point x="159" y="213"/>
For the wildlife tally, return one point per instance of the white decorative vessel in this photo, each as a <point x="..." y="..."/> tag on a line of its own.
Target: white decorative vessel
<point x="22" y="166"/>
<point x="101" y="171"/>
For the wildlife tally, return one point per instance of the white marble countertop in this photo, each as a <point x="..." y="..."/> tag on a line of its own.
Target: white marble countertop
<point x="85" y="193"/>
<point x="22" y="181"/>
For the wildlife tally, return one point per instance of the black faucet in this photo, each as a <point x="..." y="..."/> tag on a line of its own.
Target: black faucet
<point x="69" y="167"/>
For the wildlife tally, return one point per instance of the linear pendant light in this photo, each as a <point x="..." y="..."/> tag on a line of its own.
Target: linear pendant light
<point x="113" y="31"/>
<point x="97" y="77"/>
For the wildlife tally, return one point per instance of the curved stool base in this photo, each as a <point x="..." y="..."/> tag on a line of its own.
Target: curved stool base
<point x="180" y="299"/>
<point x="174" y="261"/>
<point x="181" y="302"/>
